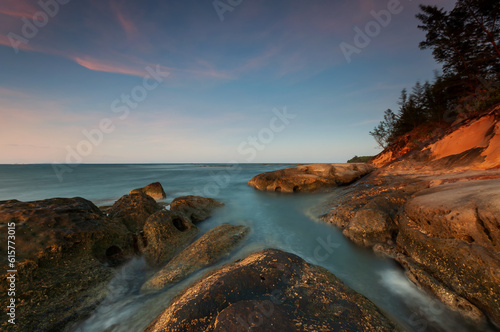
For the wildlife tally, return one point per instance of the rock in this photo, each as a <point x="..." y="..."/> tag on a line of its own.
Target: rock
<point x="452" y="232"/>
<point x="207" y="250"/>
<point x="65" y="250"/>
<point x="446" y="235"/>
<point x="448" y="297"/>
<point x="165" y="234"/>
<point x="470" y="144"/>
<point x="154" y="190"/>
<point x="194" y="208"/>
<point x="469" y="270"/>
<point x="367" y="211"/>
<point x="469" y="211"/>
<point x="133" y="210"/>
<point x="307" y="178"/>
<point x="482" y="134"/>
<point x="372" y="223"/>
<point x="442" y="211"/>
<point x="270" y="290"/>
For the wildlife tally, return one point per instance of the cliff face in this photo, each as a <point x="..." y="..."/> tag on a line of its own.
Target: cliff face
<point x="434" y="206"/>
<point x="473" y="143"/>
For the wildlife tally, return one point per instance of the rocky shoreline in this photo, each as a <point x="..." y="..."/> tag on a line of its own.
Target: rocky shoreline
<point x="71" y="249"/>
<point x="435" y="209"/>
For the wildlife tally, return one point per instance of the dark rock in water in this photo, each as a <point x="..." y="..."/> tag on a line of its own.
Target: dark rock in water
<point x="194" y="208"/>
<point x="271" y="290"/>
<point x="133" y="210"/>
<point x="165" y="234"/>
<point x="154" y="190"/>
<point x="207" y="250"/>
<point x="307" y="178"/>
<point x="65" y="250"/>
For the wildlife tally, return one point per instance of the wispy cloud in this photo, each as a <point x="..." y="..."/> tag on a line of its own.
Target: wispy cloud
<point x="7" y="92"/>
<point x="98" y="65"/>
<point x="125" y="21"/>
<point x="127" y="25"/>
<point x="260" y="60"/>
<point x="17" y="8"/>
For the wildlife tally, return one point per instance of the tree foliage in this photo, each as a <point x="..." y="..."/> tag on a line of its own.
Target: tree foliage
<point x="466" y="41"/>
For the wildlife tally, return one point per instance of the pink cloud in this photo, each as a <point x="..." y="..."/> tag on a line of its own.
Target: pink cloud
<point x="212" y="73"/>
<point x="98" y="65"/>
<point x="127" y="25"/>
<point x="17" y="8"/>
<point x="125" y="21"/>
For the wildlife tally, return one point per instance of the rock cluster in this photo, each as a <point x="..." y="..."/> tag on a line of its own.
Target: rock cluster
<point x="437" y="212"/>
<point x="65" y="252"/>
<point x="68" y="250"/>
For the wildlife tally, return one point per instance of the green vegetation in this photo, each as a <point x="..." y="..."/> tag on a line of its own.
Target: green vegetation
<point x="466" y="41"/>
<point x="361" y="159"/>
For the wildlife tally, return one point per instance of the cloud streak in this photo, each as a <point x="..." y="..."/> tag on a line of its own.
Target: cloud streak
<point x="126" y="23"/>
<point x="98" y="65"/>
<point x="17" y="8"/>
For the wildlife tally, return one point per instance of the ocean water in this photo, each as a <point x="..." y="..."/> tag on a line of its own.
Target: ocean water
<point x="277" y="220"/>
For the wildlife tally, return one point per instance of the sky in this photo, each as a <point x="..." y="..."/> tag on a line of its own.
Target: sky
<point x="163" y="81"/>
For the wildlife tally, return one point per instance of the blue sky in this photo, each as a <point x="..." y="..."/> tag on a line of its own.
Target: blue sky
<point x="219" y="84"/>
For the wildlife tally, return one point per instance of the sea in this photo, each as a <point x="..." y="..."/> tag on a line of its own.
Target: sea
<point x="283" y="221"/>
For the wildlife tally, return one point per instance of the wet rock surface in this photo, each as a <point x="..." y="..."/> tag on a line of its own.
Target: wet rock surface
<point x="271" y="290"/>
<point x="68" y="250"/>
<point x="194" y="208"/>
<point x="133" y="210"/>
<point x="155" y="190"/>
<point x="207" y="250"/>
<point x="164" y="235"/>
<point x="65" y="252"/>
<point x="308" y="178"/>
<point x="436" y="211"/>
<point x="446" y="236"/>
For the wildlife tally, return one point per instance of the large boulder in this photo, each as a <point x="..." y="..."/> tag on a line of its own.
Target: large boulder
<point x="133" y="210"/>
<point x="270" y="290"/>
<point x="155" y="190"/>
<point x="164" y="235"/>
<point x="307" y="178"/>
<point x="194" y="208"/>
<point x="207" y="250"/>
<point x="65" y="252"/>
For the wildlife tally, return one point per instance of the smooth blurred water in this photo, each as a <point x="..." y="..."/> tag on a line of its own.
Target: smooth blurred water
<point x="282" y="221"/>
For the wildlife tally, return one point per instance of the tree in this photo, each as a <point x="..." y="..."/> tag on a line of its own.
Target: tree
<point x="383" y="133"/>
<point x="465" y="40"/>
<point x="484" y="16"/>
<point x="447" y="37"/>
